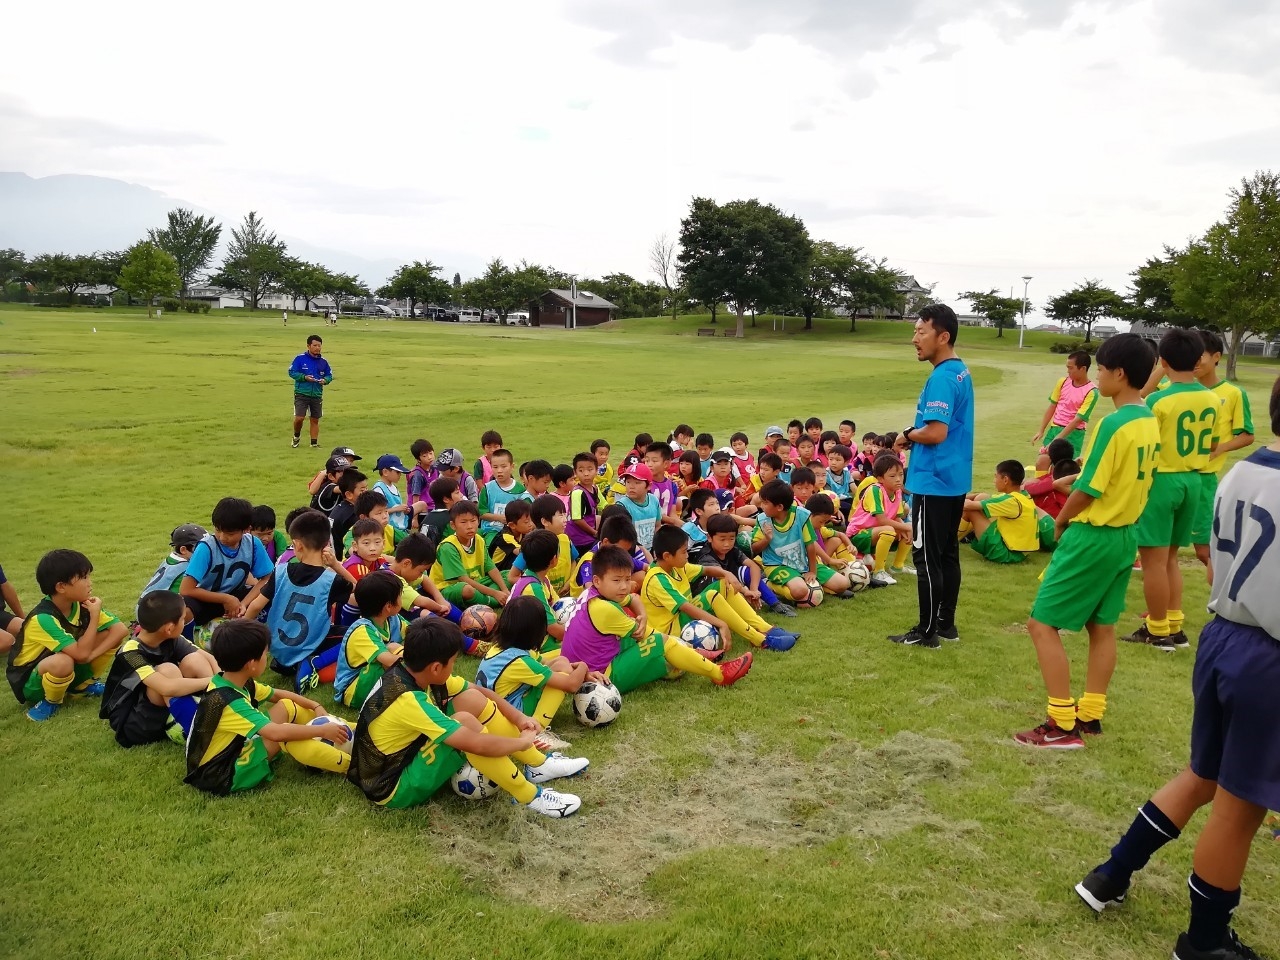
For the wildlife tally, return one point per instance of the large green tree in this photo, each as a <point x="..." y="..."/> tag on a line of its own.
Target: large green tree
<point x="750" y="252"/>
<point x="302" y="280"/>
<point x="1231" y="275"/>
<point x="1001" y="311"/>
<point x="830" y="266"/>
<point x="191" y="240"/>
<point x="870" y="285"/>
<point x="417" y="282"/>
<point x="343" y="286"/>
<point x="1150" y="299"/>
<point x="254" y="262"/>
<point x="13" y="266"/>
<point x="149" y="272"/>
<point x="64" y="271"/>
<point x="1085" y="305"/>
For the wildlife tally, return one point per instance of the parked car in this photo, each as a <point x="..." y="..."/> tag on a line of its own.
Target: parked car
<point x="518" y="318"/>
<point x="469" y="315"/>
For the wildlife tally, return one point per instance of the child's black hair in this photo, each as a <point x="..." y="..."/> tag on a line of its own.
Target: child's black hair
<point x="1065" y="468"/>
<point x="891" y="438"/>
<point x="490" y="436"/>
<point x="704" y="440"/>
<point x="869" y="436"/>
<point x="721" y="523"/>
<point x="369" y="501"/>
<point x="801" y="475"/>
<point x="160" y="607"/>
<point x="681" y="430"/>
<point x="779" y="493"/>
<point x="618" y="529"/>
<point x="1081" y="359"/>
<point x="522" y="624"/>
<point x="642" y="441"/>
<point x="803" y="439"/>
<point x="365" y="527"/>
<point x="375" y="590"/>
<point x="502" y="452"/>
<point x="735" y="437"/>
<point x="537" y="469"/>
<point x="840" y="450"/>
<point x="820" y="505"/>
<point x="813" y="422"/>
<point x="828" y="435"/>
<point x="262" y="518"/>
<point x="667" y="540"/>
<point x="884" y="463"/>
<point x="698" y="500"/>
<point x="798" y="424"/>
<point x="233" y="515"/>
<point x="419" y="447"/>
<point x="416" y="549"/>
<point x="691" y="457"/>
<point x="546" y="507"/>
<point x="561" y="473"/>
<point x="601" y="444"/>
<point x="237" y="642"/>
<point x="850" y="424"/>
<point x="312" y="530"/>
<point x="614" y="510"/>
<point x="463" y="508"/>
<point x="1212" y="342"/>
<point x="1129" y="354"/>
<point x="441" y="489"/>
<point x="61" y="566"/>
<point x="1012" y="470"/>
<point x="782" y="442"/>
<point x="516" y="510"/>
<point x="583" y="457"/>
<point x="660" y="448"/>
<point x="771" y="460"/>
<point x="611" y="560"/>
<point x="350" y="479"/>
<point x="431" y="640"/>
<point x="539" y="549"/>
<point x="293" y="515"/>
<point x="1060" y="449"/>
<point x="1181" y="349"/>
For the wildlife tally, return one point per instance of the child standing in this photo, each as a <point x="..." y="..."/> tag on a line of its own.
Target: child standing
<point x="604" y="472"/>
<point x="482" y="469"/>
<point x="449" y="463"/>
<point x="584" y="504"/>
<point x="641" y="505"/>
<point x="500" y="489"/>
<point x="422" y="474"/>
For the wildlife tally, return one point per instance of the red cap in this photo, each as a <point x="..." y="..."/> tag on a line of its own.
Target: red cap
<point x="640" y="471"/>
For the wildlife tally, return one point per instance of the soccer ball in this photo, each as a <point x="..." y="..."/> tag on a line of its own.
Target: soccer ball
<point x="321" y="721"/>
<point x="478" y="621"/>
<point x="565" y="608"/>
<point x="814" y="599"/>
<point x="858" y="574"/>
<point x="597" y="704"/>
<point x="470" y="784"/>
<point x="702" y="636"/>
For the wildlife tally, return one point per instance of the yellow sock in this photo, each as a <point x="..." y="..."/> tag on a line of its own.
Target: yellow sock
<point x="1092" y="706"/>
<point x="1063" y="713"/>
<point x="748" y="613"/>
<point x="500" y="726"/>
<point x="102" y="664"/>
<point x="548" y="704"/>
<point x="904" y="551"/>
<point x="884" y="543"/>
<point x="965" y="527"/>
<point x="55" y="688"/>
<point x="1158" y="628"/>
<point x="1176" y="620"/>
<point x="506" y="775"/>
<point x="723" y="609"/>
<point x="683" y="658"/>
<point x="318" y="754"/>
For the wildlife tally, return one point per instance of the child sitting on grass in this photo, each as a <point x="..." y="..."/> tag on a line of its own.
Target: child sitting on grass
<point x="839" y="480"/>
<point x="721" y="549"/>
<point x="367" y="544"/>
<point x="877" y="522"/>
<point x="434" y="524"/>
<point x="506" y="544"/>
<point x="419" y="595"/>
<point x="67" y="640"/>
<point x="616" y="530"/>
<point x="216" y="580"/>
<point x="611" y="635"/>
<point x="499" y="490"/>
<point x="168" y="576"/>
<point x="548" y="514"/>
<point x="463" y="570"/>
<point x="232" y="742"/>
<point x="151" y="669"/>
<point x="263" y="526"/>
<point x="604" y="471"/>
<point x="422" y="723"/>
<point x="834" y="547"/>
<point x="584" y="503"/>
<point x="372" y="505"/>
<point x="372" y="644"/>
<point x="537" y="555"/>
<point x="787" y="546"/>
<point x="352" y="485"/>
<point x="1004" y="526"/>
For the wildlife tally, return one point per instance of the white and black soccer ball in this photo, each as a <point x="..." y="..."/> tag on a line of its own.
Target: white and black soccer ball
<point x="815" y="597"/>
<point x="470" y="784"/>
<point x="858" y="574"/>
<point x="597" y="704"/>
<point x="564" y="609"/>
<point x="702" y="636"/>
<point x="321" y="721"/>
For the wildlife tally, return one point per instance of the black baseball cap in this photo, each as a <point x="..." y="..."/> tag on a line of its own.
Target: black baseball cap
<point x="345" y="452"/>
<point x="187" y="535"/>
<point x="334" y="464"/>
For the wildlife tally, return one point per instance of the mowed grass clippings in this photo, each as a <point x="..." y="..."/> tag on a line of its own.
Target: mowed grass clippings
<point x="848" y="799"/>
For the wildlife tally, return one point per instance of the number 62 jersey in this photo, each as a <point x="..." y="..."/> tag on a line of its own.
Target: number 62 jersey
<point x="1244" y="549"/>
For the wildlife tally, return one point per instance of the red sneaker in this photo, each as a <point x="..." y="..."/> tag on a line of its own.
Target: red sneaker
<point x="1050" y="736"/>
<point x="712" y="655"/>
<point x="734" y="670"/>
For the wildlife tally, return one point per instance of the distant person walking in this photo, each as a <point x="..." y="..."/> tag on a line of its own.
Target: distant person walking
<point x="310" y="373"/>
<point x="940" y="474"/>
<point x="1070" y="405"/>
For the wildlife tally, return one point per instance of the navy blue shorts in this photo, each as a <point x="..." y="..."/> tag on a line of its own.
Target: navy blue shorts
<point x="1234" y="736"/>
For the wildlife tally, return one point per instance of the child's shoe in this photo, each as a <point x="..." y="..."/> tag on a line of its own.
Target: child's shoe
<point x="735" y="670"/>
<point x="783" y="609"/>
<point x="548" y="741"/>
<point x="42" y="711"/>
<point x="905" y="568"/>
<point x="881" y="578"/>
<point x="779" y="639"/>
<point x="552" y="804"/>
<point x="92" y="688"/>
<point x="556" y="766"/>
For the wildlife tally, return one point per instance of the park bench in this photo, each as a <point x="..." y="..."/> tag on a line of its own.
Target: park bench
<point x="706" y="331"/>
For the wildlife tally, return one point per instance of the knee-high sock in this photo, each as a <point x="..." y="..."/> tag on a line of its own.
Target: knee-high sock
<point x="748" y="613"/>
<point x="904" y="551"/>
<point x="723" y="608"/>
<point x="683" y="658"/>
<point x="318" y="754"/>
<point x="500" y="726"/>
<point x="102" y="663"/>
<point x="1092" y="706"/>
<point x="55" y="688"/>
<point x="506" y="775"/>
<point x="884" y="543"/>
<point x="548" y="704"/>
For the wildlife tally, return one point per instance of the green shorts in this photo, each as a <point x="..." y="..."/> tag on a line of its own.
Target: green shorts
<point x="1202" y="526"/>
<point x="639" y="662"/>
<point x="1075" y="438"/>
<point x="358" y="690"/>
<point x="33" y="689"/>
<point x="1046" y="528"/>
<point x="1087" y="577"/>
<point x="991" y="546"/>
<point x="453" y="593"/>
<point x="862" y="541"/>
<point x="253" y="766"/>
<point x="426" y="773"/>
<point x="1170" y="512"/>
<point x="780" y="576"/>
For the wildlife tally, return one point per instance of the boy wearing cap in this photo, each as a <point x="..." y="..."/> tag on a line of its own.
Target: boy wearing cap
<point x="168" y="576"/>
<point x="772" y="434"/>
<point x="449" y="463"/>
<point x="324" y="486"/>
<point x="641" y="505"/>
<point x="390" y="470"/>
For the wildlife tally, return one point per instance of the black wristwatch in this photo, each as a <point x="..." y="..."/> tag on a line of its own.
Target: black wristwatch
<point x="906" y="434"/>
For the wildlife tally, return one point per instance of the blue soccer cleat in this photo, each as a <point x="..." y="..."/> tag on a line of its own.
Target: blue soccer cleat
<point x="779" y="639"/>
<point x="94" y="688"/>
<point x="42" y="711"/>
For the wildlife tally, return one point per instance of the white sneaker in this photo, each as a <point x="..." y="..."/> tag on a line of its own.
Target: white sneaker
<point x="883" y="579"/>
<point x="549" y="741"/>
<point x="906" y="568"/>
<point x="552" y="804"/>
<point x="557" y="765"/>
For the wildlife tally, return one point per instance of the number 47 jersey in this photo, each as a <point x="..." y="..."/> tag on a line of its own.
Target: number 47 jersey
<point x="1244" y="549"/>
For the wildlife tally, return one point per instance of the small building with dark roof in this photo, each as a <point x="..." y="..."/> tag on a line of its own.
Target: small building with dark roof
<point x="555" y="308"/>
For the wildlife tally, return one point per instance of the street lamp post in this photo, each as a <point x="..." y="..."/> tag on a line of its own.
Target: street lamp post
<point x="1022" y="330"/>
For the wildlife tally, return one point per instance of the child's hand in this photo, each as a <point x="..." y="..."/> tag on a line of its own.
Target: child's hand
<point x="328" y="557"/>
<point x="231" y="606"/>
<point x="529" y="724"/>
<point x="726" y="635"/>
<point x="502" y="596"/>
<point x="337" y="732"/>
<point x="525" y="740"/>
<point x="595" y="676"/>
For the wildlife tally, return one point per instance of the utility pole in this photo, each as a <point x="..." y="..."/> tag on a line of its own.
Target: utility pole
<point x="1022" y="331"/>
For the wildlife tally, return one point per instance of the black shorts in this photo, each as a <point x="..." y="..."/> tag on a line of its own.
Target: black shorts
<point x="1234" y="737"/>
<point x="140" y="724"/>
<point x="9" y="622"/>
<point x="307" y="406"/>
<point x="202" y="611"/>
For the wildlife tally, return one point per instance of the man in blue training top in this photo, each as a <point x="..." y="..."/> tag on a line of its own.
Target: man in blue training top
<point x="309" y="373"/>
<point x="940" y="475"/>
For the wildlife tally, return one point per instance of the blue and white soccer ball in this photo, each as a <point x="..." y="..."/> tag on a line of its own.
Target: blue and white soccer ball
<point x="702" y="636"/>
<point x="470" y="784"/>
<point x="321" y="721"/>
<point x="565" y="608"/>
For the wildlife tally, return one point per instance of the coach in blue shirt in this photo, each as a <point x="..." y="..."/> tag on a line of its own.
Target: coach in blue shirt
<point x="940" y="474"/>
<point x="310" y="373"/>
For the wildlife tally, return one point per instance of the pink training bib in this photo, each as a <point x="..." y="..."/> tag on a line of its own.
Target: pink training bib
<point x="1070" y="397"/>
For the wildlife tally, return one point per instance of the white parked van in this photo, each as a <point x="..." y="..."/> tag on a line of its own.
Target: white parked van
<point x="468" y="315"/>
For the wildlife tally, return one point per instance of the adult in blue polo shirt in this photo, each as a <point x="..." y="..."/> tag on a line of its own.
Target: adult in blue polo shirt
<point x="940" y="474"/>
<point x="309" y="373"/>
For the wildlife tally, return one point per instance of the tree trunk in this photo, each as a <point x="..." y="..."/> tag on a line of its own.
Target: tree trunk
<point x="742" y="315"/>
<point x="853" y="321"/>
<point x="713" y="313"/>
<point x="753" y="318"/>
<point x="999" y="330"/>
<point x="1233" y="349"/>
<point x="808" y="317"/>
<point x="1088" y="333"/>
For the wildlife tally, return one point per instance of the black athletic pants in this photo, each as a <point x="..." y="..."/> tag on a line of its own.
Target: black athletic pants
<point x="935" y="551"/>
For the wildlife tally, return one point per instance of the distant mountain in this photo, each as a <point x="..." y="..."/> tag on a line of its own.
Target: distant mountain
<point x="73" y="213"/>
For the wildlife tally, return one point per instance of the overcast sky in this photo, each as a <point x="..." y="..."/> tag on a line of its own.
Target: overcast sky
<point x="969" y="141"/>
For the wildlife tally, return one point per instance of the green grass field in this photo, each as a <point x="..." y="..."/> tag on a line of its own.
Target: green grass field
<point x="849" y="799"/>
